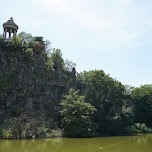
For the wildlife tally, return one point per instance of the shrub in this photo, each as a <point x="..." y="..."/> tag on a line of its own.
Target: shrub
<point x="76" y="116"/>
<point x="56" y="133"/>
<point x="6" y="133"/>
<point x="139" y="128"/>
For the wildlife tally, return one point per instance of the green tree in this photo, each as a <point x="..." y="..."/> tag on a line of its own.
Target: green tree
<point x="108" y="97"/>
<point x="16" y="43"/>
<point x="48" y="47"/>
<point x="26" y="37"/>
<point x="69" y="65"/>
<point x="142" y="97"/>
<point x="76" y="116"/>
<point x="57" y="60"/>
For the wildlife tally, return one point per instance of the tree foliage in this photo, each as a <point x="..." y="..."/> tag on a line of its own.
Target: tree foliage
<point x="108" y="97"/>
<point x="142" y="98"/>
<point x="56" y="59"/>
<point x="34" y="79"/>
<point x="26" y="37"/>
<point x="76" y="116"/>
<point x="69" y="65"/>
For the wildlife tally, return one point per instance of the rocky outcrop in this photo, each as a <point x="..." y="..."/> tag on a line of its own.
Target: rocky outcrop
<point x="28" y="85"/>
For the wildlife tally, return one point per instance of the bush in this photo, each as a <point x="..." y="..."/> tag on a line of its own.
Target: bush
<point x="56" y="133"/>
<point x="24" y="127"/>
<point x="6" y="133"/>
<point x="139" y="128"/>
<point x="76" y="116"/>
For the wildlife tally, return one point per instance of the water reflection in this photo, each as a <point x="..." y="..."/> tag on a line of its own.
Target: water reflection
<point x="142" y="138"/>
<point x="105" y="144"/>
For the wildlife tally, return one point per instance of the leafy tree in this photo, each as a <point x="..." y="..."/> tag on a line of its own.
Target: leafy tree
<point x="128" y="89"/>
<point x="108" y="97"/>
<point x="39" y="39"/>
<point x="57" y="60"/>
<point x="16" y="43"/>
<point x="48" y="47"/>
<point x="76" y="116"/>
<point x="26" y="37"/>
<point x="69" y="65"/>
<point x="142" y="97"/>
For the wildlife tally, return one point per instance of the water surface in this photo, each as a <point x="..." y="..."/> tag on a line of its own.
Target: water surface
<point x="140" y="143"/>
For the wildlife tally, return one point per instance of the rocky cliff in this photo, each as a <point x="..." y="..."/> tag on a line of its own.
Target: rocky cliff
<point x="29" y="84"/>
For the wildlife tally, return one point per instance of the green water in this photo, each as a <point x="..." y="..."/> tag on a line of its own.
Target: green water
<point x="141" y="143"/>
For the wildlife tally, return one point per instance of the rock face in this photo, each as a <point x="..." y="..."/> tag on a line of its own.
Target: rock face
<point x="28" y="85"/>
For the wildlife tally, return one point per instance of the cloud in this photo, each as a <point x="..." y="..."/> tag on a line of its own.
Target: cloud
<point x="109" y="21"/>
<point x="32" y="22"/>
<point x="125" y="2"/>
<point x="76" y="11"/>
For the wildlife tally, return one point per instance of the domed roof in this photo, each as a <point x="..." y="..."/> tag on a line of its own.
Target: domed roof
<point x="10" y="23"/>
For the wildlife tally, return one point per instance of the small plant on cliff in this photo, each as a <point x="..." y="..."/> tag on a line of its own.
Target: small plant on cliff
<point x="16" y="43"/>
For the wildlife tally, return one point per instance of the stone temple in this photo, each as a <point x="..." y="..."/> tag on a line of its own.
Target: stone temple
<point x="10" y="29"/>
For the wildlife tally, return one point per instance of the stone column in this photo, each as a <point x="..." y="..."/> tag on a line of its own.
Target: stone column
<point x="14" y="33"/>
<point x="9" y="35"/>
<point x="10" y="32"/>
<point x="5" y="33"/>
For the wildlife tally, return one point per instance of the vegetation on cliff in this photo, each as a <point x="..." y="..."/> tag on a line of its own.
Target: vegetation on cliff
<point x="32" y="84"/>
<point x="41" y="96"/>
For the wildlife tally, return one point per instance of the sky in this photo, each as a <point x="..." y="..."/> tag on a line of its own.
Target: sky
<point x="110" y="35"/>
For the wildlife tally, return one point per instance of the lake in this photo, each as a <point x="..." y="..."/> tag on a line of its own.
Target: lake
<point x="140" y="143"/>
